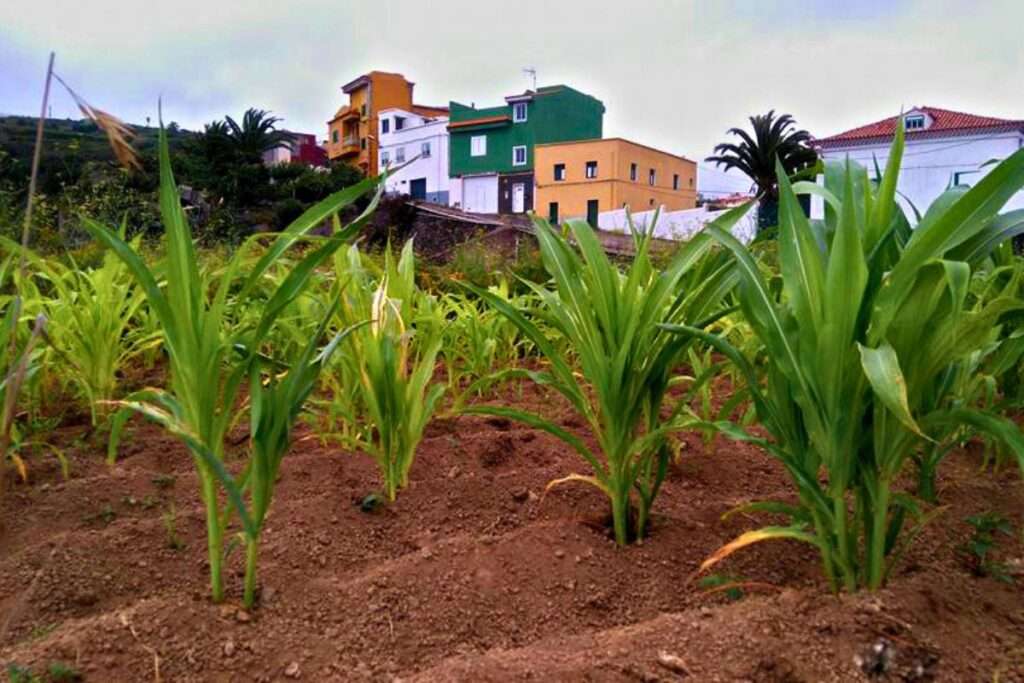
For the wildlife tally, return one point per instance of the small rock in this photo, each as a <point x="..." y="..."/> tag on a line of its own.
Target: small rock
<point x="427" y="554"/>
<point x="292" y="670"/>
<point x="705" y="612"/>
<point x="243" y="617"/>
<point x="673" y="663"/>
<point x="520" y="494"/>
<point x="229" y="648"/>
<point x="453" y="472"/>
<point x="559" y="553"/>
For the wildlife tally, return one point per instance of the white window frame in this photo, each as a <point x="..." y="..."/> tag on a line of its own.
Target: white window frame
<point x="478" y="146"/>
<point x="918" y="119"/>
<point x="515" y="150"/>
<point x="652" y="177"/>
<point x="385" y="158"/>
<point x="519" y="112"/>
<point x="400" y="155"/>
<point x="554" y="172"/>
<point x="385" y="126"/>
<point x="425" y="150"/>
<point x="587" y="172"/>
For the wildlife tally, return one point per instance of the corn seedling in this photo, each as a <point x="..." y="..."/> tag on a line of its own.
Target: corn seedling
<point x="206" y="366"/>
<point x="91" y="326"/>
<point x="610" y="318"/>
<point x="275" y="406"/>
<point x="870" y="317"/>
<point x="394" y="358"/>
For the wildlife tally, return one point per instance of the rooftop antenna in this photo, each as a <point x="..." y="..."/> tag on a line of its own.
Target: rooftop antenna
<point x="533" y="74"/>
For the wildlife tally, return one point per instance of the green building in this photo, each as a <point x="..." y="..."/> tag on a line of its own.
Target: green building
<point x="491" y="149"/>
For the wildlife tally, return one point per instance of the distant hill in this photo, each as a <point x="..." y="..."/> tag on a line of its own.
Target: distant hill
<point x="69" y="144"/>
<point x="18" y="133"/>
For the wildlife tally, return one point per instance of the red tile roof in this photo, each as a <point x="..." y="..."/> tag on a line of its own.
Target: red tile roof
<point x="945" y="123"/>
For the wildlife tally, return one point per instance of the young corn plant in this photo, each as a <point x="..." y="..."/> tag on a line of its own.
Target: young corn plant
<point x="394" y="357"/>
<point x="870" y="317"/>
<point x="208" y="359"/>
<point x="92" y="314"/>
<point x="609" y="318"/>
<point x="277" y="397"/>
<point x="477" y="340"/>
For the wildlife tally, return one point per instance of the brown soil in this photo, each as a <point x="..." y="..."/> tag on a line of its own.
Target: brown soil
<point x="473" y="576"/>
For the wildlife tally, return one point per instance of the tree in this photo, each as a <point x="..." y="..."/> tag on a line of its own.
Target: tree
<point x="773" y="138"/>
<point x="256" y="135"/>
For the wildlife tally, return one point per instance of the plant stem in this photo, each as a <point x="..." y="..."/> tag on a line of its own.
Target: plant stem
<point x="876" y="549"/>
<point x="620" y="515"/>
<point x="251" y="559"/>
<point x="214" y="544"/>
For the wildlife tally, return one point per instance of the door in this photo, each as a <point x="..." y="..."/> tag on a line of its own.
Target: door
<point x="518" y="197"/>
<point x="418" y="188"/>
<point x="480" y="194"/>
<point x="592" y="212"/>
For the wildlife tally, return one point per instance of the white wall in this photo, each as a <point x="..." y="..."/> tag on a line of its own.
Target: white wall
<point x="677" y="225"/>
<point x="928" y="165"/>
<point x="415" y="132"/>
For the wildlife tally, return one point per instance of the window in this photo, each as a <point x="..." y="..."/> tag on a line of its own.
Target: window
<point x="559" y="171"/>
<point x="518" y="112"/>
<point x="334" y="136"/>
<point x="425" y="150"/>
<point x="385" y="125"/>
<point x="400" y="155"/>
<point x="519" y="155"/>
<point x="385" y="158"/>
<point x="553" y="212"/>
<point x="652" y="177"/>
<point x="915" y="122"/>
<point x="362" y="110"/>
<point x="691" y="181"/>
<point x="632" y="172"/>
<point x="399" y="122"/>
<point x="478" y="146"/>
<point x="959" y="179"/>
<point x="675" y="181"/>
<point x="591" y="169"/>
<point x="362" y="143"/>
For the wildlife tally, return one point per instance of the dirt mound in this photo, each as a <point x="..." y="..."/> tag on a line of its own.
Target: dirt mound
<point x="475" y="575"/>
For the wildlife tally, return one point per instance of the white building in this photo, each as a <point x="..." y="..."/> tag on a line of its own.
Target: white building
<point x="942" y="148"/>
<point x="406" y="136"/>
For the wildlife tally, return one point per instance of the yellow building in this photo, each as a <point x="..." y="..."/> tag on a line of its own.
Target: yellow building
<point x="353" y="133"/>
<point x="580" y="179"/>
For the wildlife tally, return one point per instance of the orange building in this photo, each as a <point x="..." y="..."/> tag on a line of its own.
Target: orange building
<point x="353" y="133"/>
<point x="580" y="179"/>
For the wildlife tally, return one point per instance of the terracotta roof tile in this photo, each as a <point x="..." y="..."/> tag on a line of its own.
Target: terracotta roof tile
<point x="945" y="123"/>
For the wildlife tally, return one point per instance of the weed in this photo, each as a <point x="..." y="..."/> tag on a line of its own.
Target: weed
<point x="977" y="551"/>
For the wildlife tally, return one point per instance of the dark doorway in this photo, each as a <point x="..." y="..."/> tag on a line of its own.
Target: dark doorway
<point x="592" y="212"/>
<point x="553" y="212"/>
<point x="418" y="188"/>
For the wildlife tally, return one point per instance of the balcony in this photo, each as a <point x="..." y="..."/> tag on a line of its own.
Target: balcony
<point x="348" y="146"/>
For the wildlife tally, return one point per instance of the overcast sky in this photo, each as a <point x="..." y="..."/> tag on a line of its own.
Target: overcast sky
<point x="672" y="74"/>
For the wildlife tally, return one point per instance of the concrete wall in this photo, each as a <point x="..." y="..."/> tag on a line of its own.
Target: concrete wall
<point x="677" y="225"/>
<point x="928" y="165"/>
<point x="416" y="131"/>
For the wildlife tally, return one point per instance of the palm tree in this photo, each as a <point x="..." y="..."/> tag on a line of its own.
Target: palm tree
<point x="773" y="138"/>
<point x="256" y="135"/>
